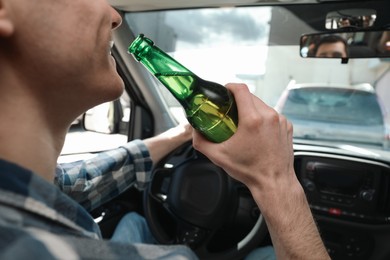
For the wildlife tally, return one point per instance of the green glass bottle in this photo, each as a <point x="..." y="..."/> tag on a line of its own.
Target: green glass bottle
<point x="210" y="107"/>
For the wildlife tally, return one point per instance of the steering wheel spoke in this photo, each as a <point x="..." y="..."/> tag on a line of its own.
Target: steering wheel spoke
<point x="160" y="184"/>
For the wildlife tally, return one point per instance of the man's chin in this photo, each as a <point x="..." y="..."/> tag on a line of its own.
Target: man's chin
<point x="114" y="91"/>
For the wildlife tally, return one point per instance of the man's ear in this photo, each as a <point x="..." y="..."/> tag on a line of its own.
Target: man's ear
<point x="6" y="25"/>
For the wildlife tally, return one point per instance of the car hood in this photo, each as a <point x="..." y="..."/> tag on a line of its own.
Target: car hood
<point x="317" y="130"/>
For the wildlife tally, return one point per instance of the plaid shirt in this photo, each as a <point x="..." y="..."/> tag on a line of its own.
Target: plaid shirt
<point x="40" y="221"/>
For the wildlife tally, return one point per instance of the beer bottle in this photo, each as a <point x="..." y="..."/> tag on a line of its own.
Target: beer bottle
<point x="210" y="107"/>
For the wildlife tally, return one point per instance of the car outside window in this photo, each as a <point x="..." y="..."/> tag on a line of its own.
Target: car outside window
<point x="334" y="105"/>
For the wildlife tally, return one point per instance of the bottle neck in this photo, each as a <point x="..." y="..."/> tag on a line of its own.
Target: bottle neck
<point x="177" y="78"/>
<point x="153" y="58"/>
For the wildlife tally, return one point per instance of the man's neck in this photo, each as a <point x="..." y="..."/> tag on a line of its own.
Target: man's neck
<point x="33" y="148"/>
<point x="28" y="136"/>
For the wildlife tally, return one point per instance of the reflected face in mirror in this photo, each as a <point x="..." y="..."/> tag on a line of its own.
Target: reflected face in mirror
<point x="331" y="50"/>
<point x="344" y="22"/>
<point x="349" y="44"/>
<point x="331" y="47"/>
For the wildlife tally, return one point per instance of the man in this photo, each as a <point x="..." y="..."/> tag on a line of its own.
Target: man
<point x="55" y="63"/>
<point x="332" y="46"/>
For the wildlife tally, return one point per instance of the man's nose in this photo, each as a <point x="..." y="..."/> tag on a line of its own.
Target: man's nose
<point x="116" y="19"/>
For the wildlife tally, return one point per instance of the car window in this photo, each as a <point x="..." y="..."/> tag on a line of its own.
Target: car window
<point x="83" y="144"/>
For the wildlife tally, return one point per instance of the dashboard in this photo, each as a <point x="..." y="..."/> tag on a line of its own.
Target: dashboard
<point x="349" y="196"/>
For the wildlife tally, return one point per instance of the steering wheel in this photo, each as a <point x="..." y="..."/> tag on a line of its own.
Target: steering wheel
<point x="192" y="201"/>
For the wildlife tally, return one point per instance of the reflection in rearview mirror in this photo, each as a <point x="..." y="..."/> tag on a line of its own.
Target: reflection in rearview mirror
<point x="363" y="44"/>
<point x="356" y="18"/>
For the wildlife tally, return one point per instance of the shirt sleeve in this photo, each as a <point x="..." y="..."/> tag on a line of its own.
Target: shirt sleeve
<point x="97" y="180"/>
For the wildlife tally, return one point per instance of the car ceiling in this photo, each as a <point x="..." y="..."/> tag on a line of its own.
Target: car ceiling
<point x="149" y="5"/>
<point x="314" y="16"/>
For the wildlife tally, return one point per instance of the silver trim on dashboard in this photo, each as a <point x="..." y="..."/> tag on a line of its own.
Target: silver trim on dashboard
<point x="341" y="157"/>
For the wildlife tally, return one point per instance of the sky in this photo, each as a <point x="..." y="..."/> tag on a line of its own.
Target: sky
<point x="216" y="26"/>
<point x="222" y="39"/>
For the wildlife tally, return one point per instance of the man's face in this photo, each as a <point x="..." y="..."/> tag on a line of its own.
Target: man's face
<point x="64" y="47"/>
<point x="331" y="50"/>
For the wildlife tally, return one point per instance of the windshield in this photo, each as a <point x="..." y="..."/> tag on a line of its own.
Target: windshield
<point x="260" y="47"/>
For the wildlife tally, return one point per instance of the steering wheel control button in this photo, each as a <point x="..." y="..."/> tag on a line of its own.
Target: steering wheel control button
<point x="191" y="237"/>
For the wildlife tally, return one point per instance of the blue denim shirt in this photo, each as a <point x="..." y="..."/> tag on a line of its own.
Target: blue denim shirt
<point x="39" y="220"/>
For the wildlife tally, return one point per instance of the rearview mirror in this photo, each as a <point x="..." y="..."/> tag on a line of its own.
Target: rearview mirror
<point x="355" y="18"/>
<point x="345" y="45"/>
